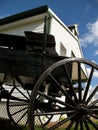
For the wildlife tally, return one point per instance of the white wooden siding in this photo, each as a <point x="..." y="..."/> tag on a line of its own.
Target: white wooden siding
<point x="63" y="35"/>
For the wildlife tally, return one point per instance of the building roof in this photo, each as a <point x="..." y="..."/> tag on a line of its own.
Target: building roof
<point x="31" y="13"/>
<point x="23" y="15"/>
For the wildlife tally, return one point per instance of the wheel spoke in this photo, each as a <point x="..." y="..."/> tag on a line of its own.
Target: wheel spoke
<point x="70" y="125"/>
<point x="88" y="84"/>
<point x="38" y="117"/>
<point x="76" y="125"/>
<point x="18" y="99"/>
<point x="62" y="122"/>
<point x="70" y="83"/>
<point x="17" y="104"/>
<point x="26" y="123"/>
<point x="93" y="111"/>
<point x="52" y="113"/>
<point x="86" y="124"/>
<point x="81" y="124"/>
<point x="79" y="82"/>
<point x="92" y="95"/>
<point x="19" y="111"/>
<point x="55" y="100"/>
<point x="93" y="103"/>
<point x="29" y="95"/>
<point x="21" y="117"/>
<point x="63" y="91"/>
<point x="40" y="120"/>
<point x="92" y="123"/>
<point x="22" y="93"/>
<point x="94" y="116"/>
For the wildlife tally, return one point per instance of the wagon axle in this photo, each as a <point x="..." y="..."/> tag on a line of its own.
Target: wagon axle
<point x="82" y="110"/>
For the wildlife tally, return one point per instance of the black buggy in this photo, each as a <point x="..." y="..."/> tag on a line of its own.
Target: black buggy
<point x="46" y="91"/>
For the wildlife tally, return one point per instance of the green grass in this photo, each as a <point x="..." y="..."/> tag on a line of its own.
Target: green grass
<point x="90" y="126"/>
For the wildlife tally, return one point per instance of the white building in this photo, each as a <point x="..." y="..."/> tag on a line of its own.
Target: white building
<point x="67" y="42"/>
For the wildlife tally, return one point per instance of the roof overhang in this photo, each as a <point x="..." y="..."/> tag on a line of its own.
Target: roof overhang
<point x="24" y="15"/>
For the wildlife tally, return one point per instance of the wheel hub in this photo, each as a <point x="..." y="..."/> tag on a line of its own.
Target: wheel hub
<point x="82" y="109"/>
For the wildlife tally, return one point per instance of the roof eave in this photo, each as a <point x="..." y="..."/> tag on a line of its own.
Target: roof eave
<point x="23" y="15"/>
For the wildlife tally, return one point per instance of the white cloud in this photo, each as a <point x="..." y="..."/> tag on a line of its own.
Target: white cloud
<point x="96" y="52"/>
<point x="91" y="36"/>
<point x="96" y="74"/>
<point x="87" y="8"/>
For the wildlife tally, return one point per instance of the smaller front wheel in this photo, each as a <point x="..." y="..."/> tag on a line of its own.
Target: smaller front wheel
<point x="17" y="106"/>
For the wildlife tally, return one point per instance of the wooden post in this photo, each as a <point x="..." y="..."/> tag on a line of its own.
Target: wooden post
<point x="45" y="35"/>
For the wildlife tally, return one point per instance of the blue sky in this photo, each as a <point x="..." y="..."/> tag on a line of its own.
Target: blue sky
<point x="81" y="12"/>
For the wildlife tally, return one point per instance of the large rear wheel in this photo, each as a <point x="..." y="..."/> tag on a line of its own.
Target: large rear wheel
<point x="69" y="94"/>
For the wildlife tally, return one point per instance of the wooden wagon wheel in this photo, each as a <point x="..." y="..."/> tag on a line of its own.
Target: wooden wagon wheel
<point x="17" y="106"/>
<point x="74" y="96"/>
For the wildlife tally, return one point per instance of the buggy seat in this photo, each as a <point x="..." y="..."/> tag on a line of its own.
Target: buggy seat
<point x="35" y="42"/>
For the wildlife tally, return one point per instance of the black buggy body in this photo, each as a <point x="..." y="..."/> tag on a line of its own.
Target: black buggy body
<point x="23" y="56"/>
